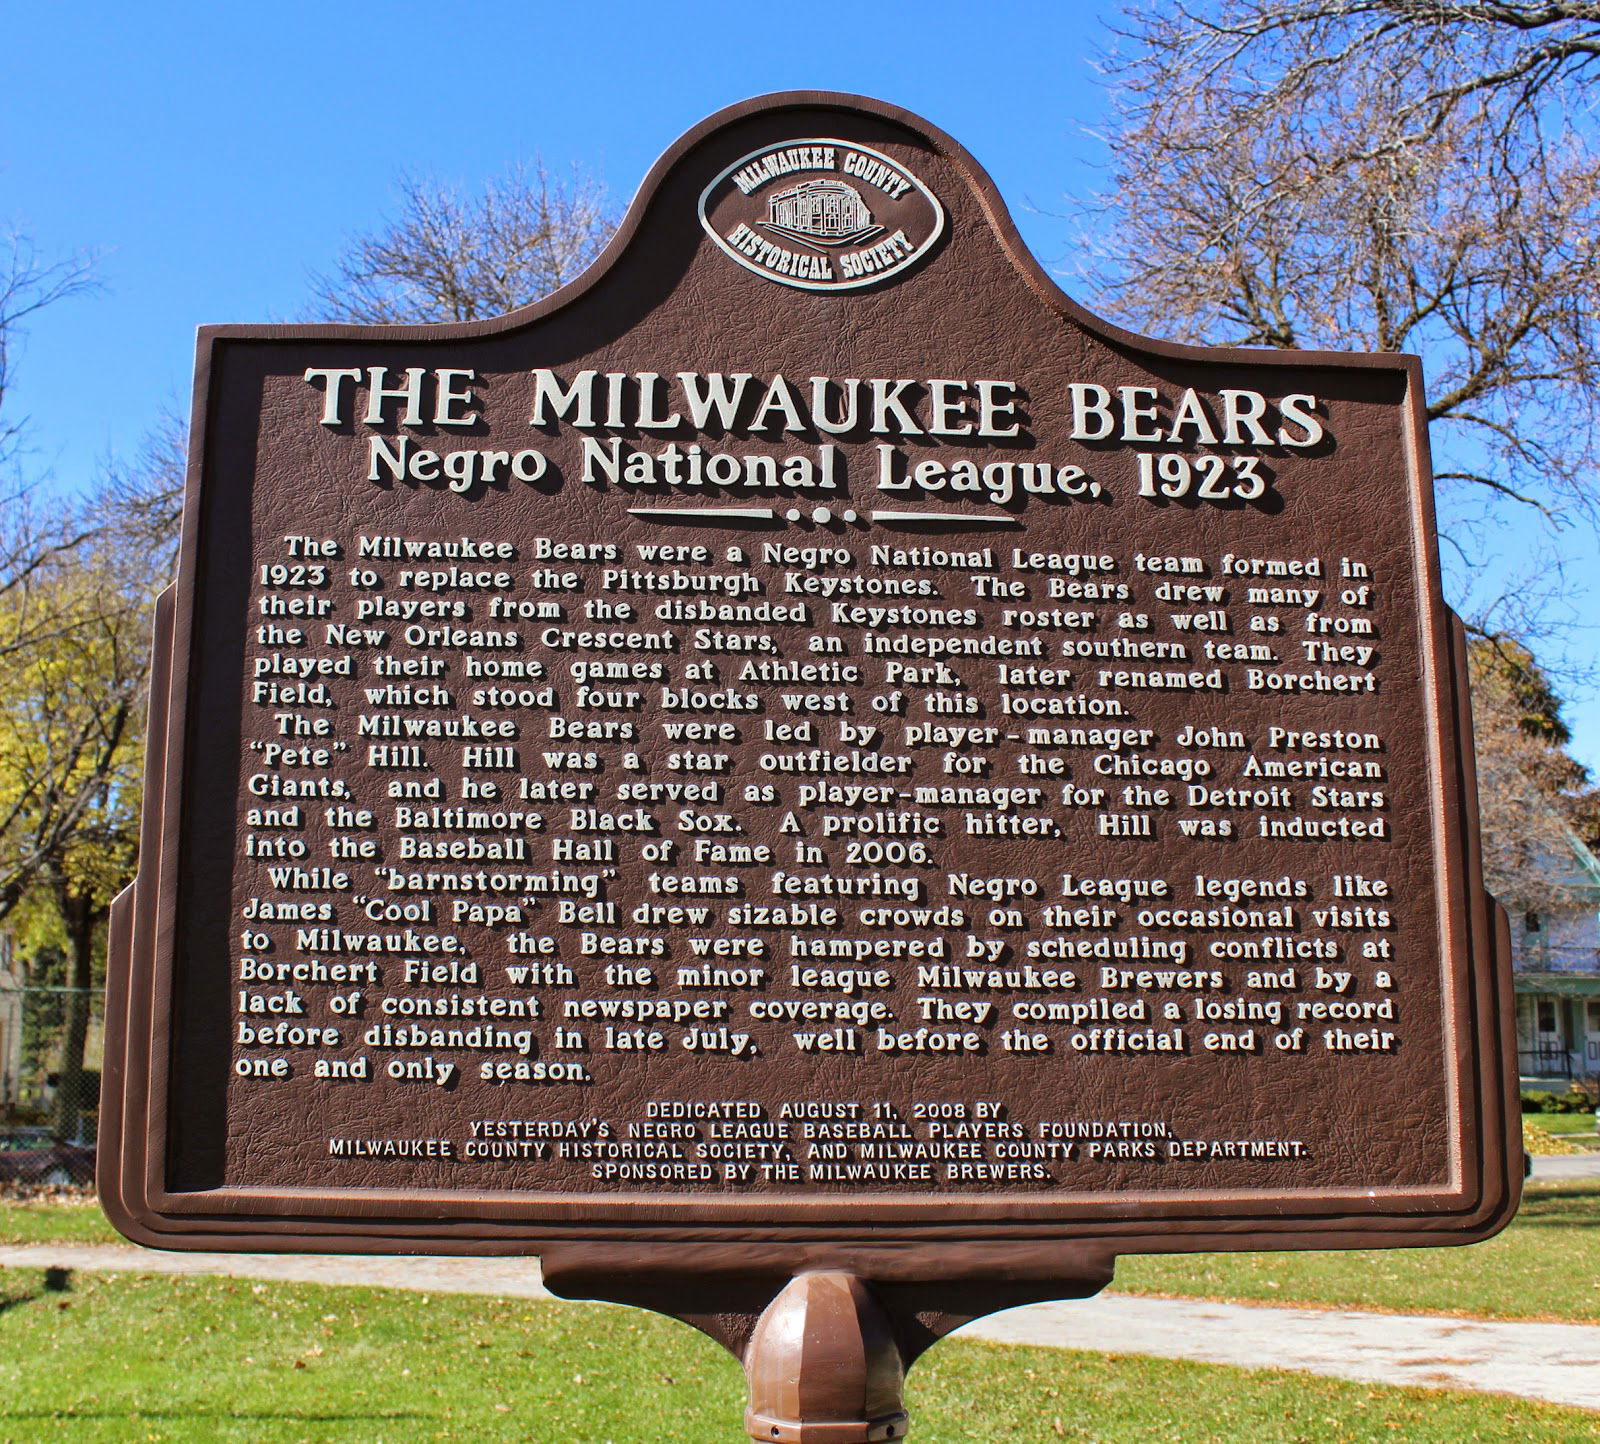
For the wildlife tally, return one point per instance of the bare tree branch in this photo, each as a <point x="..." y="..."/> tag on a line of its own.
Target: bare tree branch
<point x="450" y="257"/>
<point x="1378" y="175"/>
<point x="29" y="283"/>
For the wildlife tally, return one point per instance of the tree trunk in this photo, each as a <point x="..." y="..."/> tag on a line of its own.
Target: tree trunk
<point x="80" y="918"/>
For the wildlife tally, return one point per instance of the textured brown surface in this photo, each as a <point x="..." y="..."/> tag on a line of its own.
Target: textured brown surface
<point x="1411" y="1146"/>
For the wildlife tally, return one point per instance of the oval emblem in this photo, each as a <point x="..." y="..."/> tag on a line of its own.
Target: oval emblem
<point x="823" y="215"/>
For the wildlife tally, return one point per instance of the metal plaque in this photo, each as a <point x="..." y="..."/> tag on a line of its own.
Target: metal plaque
<point x="806" y="741"/>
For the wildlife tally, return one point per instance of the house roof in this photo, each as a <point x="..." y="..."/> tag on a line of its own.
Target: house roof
<point x="1568" y="866"/>
<point x="1583" y="867"/>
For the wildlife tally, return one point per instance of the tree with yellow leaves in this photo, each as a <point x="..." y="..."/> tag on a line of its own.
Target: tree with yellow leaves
<point x="74" y="672"/>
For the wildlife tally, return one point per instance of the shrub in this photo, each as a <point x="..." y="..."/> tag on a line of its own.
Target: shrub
<point x="1585" y="1094"/>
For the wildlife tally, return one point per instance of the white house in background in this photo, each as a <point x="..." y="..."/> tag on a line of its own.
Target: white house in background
<point x="1556" y="957"/>
<point x="10" y="1025"/>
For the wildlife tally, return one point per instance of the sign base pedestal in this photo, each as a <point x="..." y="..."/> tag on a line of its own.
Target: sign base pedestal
<point x="825" y="1349"/>
<point x="824" y="1366"/>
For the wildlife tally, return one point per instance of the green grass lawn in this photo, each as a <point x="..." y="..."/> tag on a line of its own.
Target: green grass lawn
<point x="1546" y="1265"/>
<point x="78" y="1220"/>
<point x="151" y="1358"/>
<point x="1562" y="1123"/>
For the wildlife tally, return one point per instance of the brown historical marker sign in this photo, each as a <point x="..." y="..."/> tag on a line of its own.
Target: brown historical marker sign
<point x="806" y="747"/>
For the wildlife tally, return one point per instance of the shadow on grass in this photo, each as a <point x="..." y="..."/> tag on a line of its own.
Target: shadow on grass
<point x="1566" y="1208"/>
<point x="52" y="1281"/>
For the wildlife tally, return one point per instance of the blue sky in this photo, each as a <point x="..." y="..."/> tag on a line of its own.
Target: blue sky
<point x="215" y="155"/>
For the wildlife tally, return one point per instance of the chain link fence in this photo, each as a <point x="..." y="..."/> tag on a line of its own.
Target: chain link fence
<point x="51" y="1045"/>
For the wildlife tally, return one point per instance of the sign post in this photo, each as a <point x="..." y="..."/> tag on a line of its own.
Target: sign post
<point x="809" y="782"/>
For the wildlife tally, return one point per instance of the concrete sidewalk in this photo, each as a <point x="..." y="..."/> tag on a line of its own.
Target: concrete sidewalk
<point x="1567" y="1165"/>
<point x="1559" y="1363"/>
<point x="514" y="1278"/>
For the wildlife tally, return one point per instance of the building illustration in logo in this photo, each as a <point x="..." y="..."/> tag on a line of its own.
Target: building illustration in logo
<point x="820" y="213"/>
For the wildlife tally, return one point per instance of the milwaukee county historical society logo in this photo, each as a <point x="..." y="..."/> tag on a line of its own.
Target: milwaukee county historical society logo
<point x="821" y="214"/>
